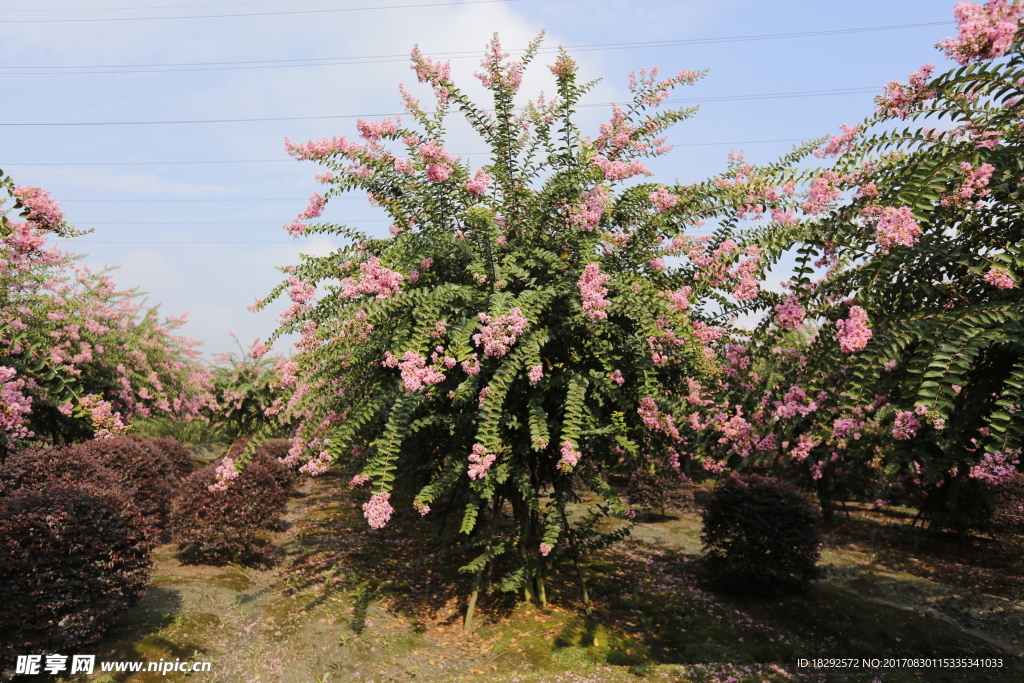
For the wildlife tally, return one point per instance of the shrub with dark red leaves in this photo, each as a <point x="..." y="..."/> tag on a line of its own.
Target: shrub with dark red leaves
<point x="1009" y="515"/>
<point x="180" y="458"/>
<point x="215" y="527"/>
<point x="760" y="534"/>
<point x="650" y="491"/>
<point x="37" y="466"/>
<point x="72" y="558"/>
<point x="272" y="451"/>
<point x="142" y="468"/>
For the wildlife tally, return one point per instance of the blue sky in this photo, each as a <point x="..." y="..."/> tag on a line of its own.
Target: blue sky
<point x="192" y="212"/>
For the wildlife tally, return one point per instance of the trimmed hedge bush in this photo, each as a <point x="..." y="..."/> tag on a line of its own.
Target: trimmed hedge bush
<point x="220" y="526"/>
<point x="180" y="458"/>
<point x="73" y="557"/>
<point x="36" y="467"/>
<point x="142" y="469"/>
<point x="760" y="534"/>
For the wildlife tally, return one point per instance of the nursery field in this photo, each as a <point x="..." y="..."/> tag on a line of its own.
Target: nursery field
<point x="342" y="603"/>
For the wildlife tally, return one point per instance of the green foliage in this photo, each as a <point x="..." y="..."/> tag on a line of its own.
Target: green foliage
<point x="521" y="325"/>
<point x="923" y="235"/>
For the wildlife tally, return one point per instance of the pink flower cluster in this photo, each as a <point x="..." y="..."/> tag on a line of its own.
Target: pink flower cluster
<point x="480" y="462"/>
<point x="438" y="161"/>
<point x="546" y="548"/>
<point x="435" y="73"/>
<point x="593" y="292"/>
<point x="805" y="444"/>
<point x="300" y="291"/>
<point x="899" y="98"/>
<point x="42" y="210"/>
<point x="655" y="420"/>
<point x="374" y="280"/>
<point x="839" y="144"/>
<point x="617" y="377"/>
<point x="846" y="426"/>
<point x="998" y="277"/>
<point x="415" y="373"/>
<point x="983" y="31"/>
<point x="320" y="149"/>
<point x="997" y="467"/>
<point x="906" y="425"/>
<point x="853" y="333"/>
<point x="14" y="405"/>
<point x="896" y="227"/>
<point x="225" y="472"/>
<point x="103" y="417"/>
<point x="570" y="456"/>
<point x="662" y="199"/>
<point x="536" y="374"/>
<point x="497" y="337"/>
<point x="495" y="73"/>
<point x="373" y="131"/>
<point x="587" y="214"/>
<point x="614" y="169"/>
<point x="822" y="193"/>
<point x="790" y="313"/>
<point x="377" y="510"/>
<point x="477" y="185"/>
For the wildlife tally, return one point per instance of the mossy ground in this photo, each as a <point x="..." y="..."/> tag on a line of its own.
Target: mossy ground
<point x="344" y="604"/>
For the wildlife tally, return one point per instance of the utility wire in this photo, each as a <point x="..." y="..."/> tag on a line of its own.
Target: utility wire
<point x="115" y="9"/>
<point x="255" y="161"/>
<point x="381" y="59"/>
<point x="726" y="98"/>
<point x="251" y="14"/>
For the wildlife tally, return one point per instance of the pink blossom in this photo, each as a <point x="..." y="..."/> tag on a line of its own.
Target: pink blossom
<point x="378" y="510"/>
<point x="426" y="263"/>
<point x="617" y="377"/>
<point x="315" y="208"/>
<point x="374" y="280"/>
<point x="593" y="293"/>
<point x="414" y="370"/>
<point x="896" y="227"/>
<point x="570" y="456"/>
<point x="40" y="209"/>
<point x="822" y="193"/>
<point x="320" y="149"/>
<point x="438" y="173"/>
<point x="680" y="300"/>
<point x="225" y="472"/>
<point x="374" y="130"/>
<point x="845" y="426"/>
<point x="300" y="291"/>
<point x="998" y="277"/>
<point x="620" y="170"/>
<point x="842" y="144"/>
<point x="477" y="185"/>
<point x="536" y="373"/>
<point x="662" y="199"/>
<point x="545" y="549"/>
<point x="996" y="468"/>
<point x="471" y="366"/>
<point x="655" y="420"/>
<point x="906" y="425"/>
<point x="898" y="98"/>
<point x="495" y="73"/>
<point x="480" y="462"/>
<point x="587" y="214"/>
<point x="498" y="337"/>
<point x="805" y="444"/>
<point x="790" y="313"/>
<point x="853" y="333"/>
<point x="563" y="67"/>
<point x="14" y="405"/>
<point x="983" y="31"/>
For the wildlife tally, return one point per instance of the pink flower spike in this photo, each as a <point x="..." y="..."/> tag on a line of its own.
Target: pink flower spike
<point x="853" y="333"/>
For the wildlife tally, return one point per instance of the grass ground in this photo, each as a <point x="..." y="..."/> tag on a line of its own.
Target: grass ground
<point x="343" y="604"/>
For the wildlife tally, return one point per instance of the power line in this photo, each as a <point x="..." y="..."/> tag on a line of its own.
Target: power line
<point x="251" y="14"/>
<point x="381" y="59"/>
<point x="114" y="9"/>
<point x="726" y="98"/>
<point x="253" y="161"/>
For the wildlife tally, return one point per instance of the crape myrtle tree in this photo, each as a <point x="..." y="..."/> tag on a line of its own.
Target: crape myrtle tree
<point x="896" y="353"/>
<point x="523" y="323"/>
<point x="79" y="358"/>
